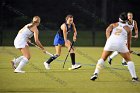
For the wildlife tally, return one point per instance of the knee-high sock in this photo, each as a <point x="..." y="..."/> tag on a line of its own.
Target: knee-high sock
<point x="114" y="54"/>
<point x="72" y="55"/>
<point x="22" y="63"/>
<point x="17" y="60"/>
<point x="99" y="66"/>
<point x="131" y="68"/>
<point x="52" y="58"/>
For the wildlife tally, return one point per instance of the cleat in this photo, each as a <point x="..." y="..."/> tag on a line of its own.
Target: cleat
<point x="13" y="63"/>
<point x="109" y="60"/>
<point x="124" y="64"/>
<point x="76" y="66"/>
<point x="135" y="79"/>
<point x="18" y="71"/>
<point x="95" y="76"/>
<point x="47" y="66"/>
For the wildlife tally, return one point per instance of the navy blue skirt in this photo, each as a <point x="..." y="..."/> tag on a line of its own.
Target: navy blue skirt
<point x="58" y="40"/>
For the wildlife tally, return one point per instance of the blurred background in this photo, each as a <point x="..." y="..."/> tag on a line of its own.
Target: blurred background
<point x="90" y="16"/>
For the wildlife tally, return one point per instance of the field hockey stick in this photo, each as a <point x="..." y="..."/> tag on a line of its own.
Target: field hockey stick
<point x="135" y="53"/>
<point x="46" y="52"/>
<point x="68" y="53"/>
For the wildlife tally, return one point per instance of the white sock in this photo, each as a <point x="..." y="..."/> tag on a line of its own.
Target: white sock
<point x="131" y="68"/>
<point x="123" y="60"/>
<point x="18" y="59"/>
<point x="114" y="54"/>
<point x="22" y="63"/>
<point x="99" y="66"/>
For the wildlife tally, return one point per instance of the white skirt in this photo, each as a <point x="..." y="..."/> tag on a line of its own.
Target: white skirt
<point x="20" y="43"/>
<point x="116" y="46"/>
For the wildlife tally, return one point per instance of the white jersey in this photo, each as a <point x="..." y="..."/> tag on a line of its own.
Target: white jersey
<point x="117" y="39"/>
<point x="119" y="33"/>
<point x="25" y="33"/>
<point x="22" y="37"/>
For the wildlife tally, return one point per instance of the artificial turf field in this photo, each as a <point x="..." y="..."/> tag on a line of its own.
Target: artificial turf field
<point x="112" y="79"/>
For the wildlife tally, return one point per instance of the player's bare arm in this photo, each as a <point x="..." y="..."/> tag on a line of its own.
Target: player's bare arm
<point x="109" y="30"/>
<point x="36" y="33"/>
<point x="63" y="27"/>
<point x="75" y="32"/>
<point x="136" y="29"/>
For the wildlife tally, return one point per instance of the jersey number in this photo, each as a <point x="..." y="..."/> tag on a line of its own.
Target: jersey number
<point x="118" y="31"/>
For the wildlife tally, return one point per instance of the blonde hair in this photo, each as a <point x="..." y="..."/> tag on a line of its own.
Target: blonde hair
<point x="68" y="16"/>
<point x="36" y="19"/>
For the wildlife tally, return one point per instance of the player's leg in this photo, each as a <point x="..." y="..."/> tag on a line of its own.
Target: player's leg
<point x="100" y="64"/>
<point x="114" y="54"/>
<point x="58" y="52"/>
<point x="15" y="61"/>
<point x="131" y="66"/>
<point x="24" y="60"/>
<point x="72" y="55"/>
<point x="124" y="63"/>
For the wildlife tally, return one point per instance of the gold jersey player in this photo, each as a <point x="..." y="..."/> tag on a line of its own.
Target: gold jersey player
<point x="116" y="34"/>
<point x="133" y="26"/>
<point x="61" y="38"/>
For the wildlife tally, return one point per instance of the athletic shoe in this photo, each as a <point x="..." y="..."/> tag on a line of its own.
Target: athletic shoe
<point x="76" y="66"/>
<point x="109" y="60"/>
<point x="124" y="64"/>
<point x="94" y="77"/>
<point x="19" y="71"/>
<point x="135" y="79"/>
<point x="13" y="63"/>
<point x="47" y="66"/>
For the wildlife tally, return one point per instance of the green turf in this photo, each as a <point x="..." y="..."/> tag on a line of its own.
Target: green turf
<point x="112" y="79"/>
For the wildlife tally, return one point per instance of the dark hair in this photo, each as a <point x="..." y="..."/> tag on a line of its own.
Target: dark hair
<point x="130" y="13"/>
<point x="123" y="16"/>
<point x="68" y="16"/>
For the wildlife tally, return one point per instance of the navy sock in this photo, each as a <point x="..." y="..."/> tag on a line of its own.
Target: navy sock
<point x="72" y="55"/>
<point x="52" y="58"/>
